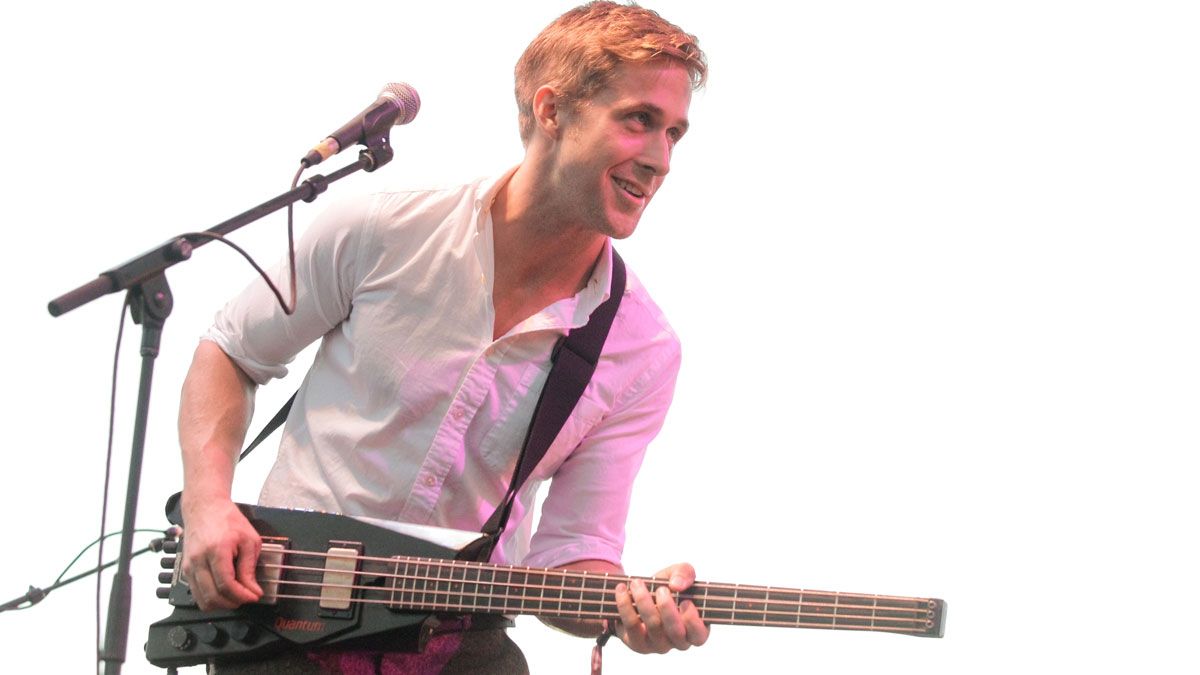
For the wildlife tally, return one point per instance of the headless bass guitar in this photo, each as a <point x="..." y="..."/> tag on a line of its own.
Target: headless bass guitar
<point x="365" y="583"/>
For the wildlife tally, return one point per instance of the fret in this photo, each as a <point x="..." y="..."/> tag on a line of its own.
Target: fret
<point x="800" y="610"/>
<point x="410" y="582"/>
<point x="519" y="589"/>
<point x="562" y="591"/>
<point x="780" y="606"/>
<point x="491" y="587"/>
<point x="394" y="579"/>
<point x="857" y="611"/>
<point x="454" y="595"/>
<point x="441" y="585"/>
<point x="542" y="600"/>
<point x="471" y="585"/>
<point x="754" y="601"/>
<point x="507" y="590"/>
<point x="594" y="591"/>
<point x="423" y="575"/>
<point x="817" y="612"/>
<point x="716" y="607"/>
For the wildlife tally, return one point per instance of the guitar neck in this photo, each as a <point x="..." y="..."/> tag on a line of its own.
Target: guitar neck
<point x="438" y="585"/>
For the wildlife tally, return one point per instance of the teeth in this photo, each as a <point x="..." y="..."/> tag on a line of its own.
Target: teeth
<point x="628" y="187"/>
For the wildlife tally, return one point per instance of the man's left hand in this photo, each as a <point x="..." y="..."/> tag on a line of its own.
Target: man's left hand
<point x="651" y="622"/>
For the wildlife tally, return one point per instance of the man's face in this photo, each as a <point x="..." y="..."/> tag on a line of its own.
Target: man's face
<point x="615" y="149"/>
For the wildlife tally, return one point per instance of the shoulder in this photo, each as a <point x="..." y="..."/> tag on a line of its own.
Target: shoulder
<point x="640" y="314"/>
<point x="642" y="340"/>
<point x="417" y="207"/>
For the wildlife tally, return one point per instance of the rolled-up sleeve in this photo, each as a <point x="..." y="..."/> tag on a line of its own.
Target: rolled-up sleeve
<point x="256" y="332"/>
<point x="583" y="516"/>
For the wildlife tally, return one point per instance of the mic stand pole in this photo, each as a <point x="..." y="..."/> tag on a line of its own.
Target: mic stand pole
<point x="150" y="303"/>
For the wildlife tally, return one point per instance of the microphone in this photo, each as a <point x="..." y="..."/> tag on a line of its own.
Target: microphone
<point x="397" y="104"/>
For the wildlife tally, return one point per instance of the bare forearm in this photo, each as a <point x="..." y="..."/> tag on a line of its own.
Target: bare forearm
<point x="214" y="413"/>
<point x="582" y="627"/>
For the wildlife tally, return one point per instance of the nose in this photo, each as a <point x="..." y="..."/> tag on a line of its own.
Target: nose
<point x="656" y="155"/>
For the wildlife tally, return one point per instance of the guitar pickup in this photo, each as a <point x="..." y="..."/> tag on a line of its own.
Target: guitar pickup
<point x="338" y="581"/>
<point x="270" y="569"/>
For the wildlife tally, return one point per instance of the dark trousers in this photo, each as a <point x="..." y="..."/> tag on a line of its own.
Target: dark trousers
<point x="478" y="651"/>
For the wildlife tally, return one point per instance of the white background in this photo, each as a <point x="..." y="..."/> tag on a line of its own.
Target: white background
<point x="934" y="265"/>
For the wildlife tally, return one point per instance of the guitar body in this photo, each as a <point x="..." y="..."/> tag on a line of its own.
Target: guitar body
<point x="296" y="618"/>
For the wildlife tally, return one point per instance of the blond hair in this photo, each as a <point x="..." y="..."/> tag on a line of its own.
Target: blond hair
<point x="578" y="54"/>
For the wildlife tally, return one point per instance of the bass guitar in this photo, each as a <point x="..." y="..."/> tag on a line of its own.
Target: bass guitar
<point x="365" y="583"/>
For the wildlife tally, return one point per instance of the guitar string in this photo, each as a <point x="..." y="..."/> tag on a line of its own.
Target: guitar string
<point x="606" y="613"/>
<point x="764" y="608"/>
<point x="700" y="586"/>
<point x="585" y="577"/>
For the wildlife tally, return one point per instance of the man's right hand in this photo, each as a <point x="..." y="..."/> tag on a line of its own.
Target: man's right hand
<point x="220" y="551"/>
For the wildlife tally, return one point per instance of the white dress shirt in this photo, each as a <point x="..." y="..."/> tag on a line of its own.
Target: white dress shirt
<point x="412" y="412"/>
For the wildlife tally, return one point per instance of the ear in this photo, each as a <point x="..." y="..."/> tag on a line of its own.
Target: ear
<point x="546" y="111"/>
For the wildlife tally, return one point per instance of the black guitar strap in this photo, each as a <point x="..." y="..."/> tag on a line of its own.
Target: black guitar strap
<point x="572" y="363"/>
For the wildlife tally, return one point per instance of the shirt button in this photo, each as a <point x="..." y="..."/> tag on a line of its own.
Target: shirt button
<point x="457" y="413"/>
<point x="430" y="481"/>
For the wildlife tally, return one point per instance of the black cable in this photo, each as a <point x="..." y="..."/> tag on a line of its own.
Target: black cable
<point x="288" y="308"/>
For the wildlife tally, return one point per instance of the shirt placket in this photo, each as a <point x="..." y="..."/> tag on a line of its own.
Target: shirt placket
<point x="448" y="447"/>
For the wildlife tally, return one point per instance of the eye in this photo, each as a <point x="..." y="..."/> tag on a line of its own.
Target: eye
<point x="641" y="119"/>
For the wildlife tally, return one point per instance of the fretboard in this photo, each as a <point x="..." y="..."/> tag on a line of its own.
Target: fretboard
<point x="447" y="586"/>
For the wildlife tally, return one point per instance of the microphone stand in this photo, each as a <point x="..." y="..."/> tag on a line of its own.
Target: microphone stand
<point x="150" y="302"/>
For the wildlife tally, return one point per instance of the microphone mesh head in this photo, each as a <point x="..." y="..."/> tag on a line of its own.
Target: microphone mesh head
<point x="406" y="99"/>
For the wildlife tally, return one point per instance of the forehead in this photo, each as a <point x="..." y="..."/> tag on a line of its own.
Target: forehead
<point x="662" y="83"/>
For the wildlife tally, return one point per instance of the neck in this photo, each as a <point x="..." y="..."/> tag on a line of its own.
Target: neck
<point x="536" y="244"/>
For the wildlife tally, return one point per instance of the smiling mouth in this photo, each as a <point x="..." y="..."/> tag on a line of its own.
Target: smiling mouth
<point x="629" y="187"/>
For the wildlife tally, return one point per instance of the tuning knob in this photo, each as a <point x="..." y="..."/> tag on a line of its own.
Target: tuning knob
<point x="163" y="593"/>
<point x="167" y="562"/>
<point x="166" y="577"/>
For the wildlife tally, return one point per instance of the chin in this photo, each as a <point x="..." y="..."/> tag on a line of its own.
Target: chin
<point x="620" y="230"/>
<point x="622" y="225"/>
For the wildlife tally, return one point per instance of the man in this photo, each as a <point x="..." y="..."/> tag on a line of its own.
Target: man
<point x="437" y="312"/>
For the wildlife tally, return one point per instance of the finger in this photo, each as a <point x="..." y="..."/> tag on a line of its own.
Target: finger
<point x="203" y="589"/>
<point x="228" y="592"/>
<point x="647" y="609"/>
<point x="631" y="631"/>
<point x="672" y="623"/>
<point x="246" y="564"/>
<point x="681" y="577"/>
<point x="694" y="627"/>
